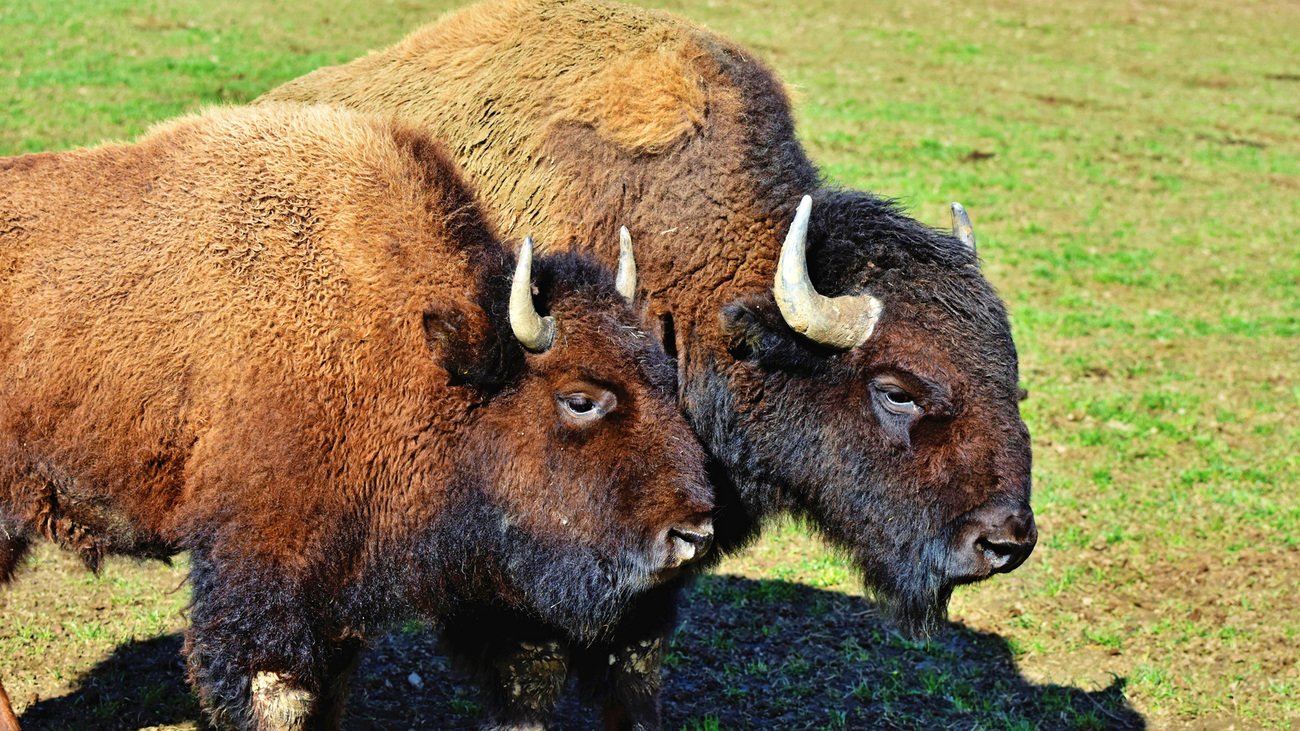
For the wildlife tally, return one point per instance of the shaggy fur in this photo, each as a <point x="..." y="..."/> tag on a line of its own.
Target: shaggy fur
<point x="278" y="338"/>
<point x="577" y="116"/>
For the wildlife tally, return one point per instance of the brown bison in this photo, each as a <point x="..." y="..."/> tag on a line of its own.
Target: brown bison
<point x="285" y="340"/>
<point x="870" y="389"/>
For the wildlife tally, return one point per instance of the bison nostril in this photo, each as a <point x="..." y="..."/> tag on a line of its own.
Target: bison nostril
<point x="691" y="543"/>
<point x="995" y="540"/>
<point x="997" y="554"/>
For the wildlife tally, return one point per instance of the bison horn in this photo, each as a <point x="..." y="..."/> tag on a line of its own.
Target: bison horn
<point x="534" y="331"/>
<point x="961" y="227"/>
<point x="839" y="322"/>
<point x="625" y="283"/>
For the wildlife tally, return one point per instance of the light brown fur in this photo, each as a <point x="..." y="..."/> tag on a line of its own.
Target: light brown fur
<point x="178" y="269"/>
<point x="8" y="721"/>
<point x="633" y="78"/>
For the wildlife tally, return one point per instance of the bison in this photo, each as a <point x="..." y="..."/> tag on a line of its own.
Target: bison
<point x="286" y="340"/>
<point x="870" y="388"/>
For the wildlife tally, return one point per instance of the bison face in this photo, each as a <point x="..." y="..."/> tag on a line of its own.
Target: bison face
<point x="605" y="480"/>
<point x="906" y="449"/>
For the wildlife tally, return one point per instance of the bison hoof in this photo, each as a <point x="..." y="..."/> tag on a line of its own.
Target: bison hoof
<point x="278" y="706"/>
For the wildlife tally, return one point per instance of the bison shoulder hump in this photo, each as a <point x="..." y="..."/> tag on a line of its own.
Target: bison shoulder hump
<point x="644" y="103"/>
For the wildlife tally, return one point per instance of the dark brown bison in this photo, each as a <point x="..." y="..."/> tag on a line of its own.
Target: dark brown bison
<point x="285" y="340"/>
<point x="871" y="388"/>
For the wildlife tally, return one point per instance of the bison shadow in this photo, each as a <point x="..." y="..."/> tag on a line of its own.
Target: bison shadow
<point x="749" y="655"/>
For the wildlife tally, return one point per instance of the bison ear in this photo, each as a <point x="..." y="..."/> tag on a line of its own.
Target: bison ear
<point x="445" y="331"/>
<point x="464" y="343"/>
<point x="745" y="330"/>
<point x="756" y="332"/>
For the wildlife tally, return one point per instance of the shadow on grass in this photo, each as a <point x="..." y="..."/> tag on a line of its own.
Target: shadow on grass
<point x="142" y="684"/>
<point x="749" y="655"/>
<point x="775" y="655"/>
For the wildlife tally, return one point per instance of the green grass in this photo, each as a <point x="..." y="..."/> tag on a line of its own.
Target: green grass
<point x="1133" y="171"/>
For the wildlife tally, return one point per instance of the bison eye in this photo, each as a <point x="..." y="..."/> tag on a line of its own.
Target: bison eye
<point x="579" y="404"/>
<point x="900" y="399"/>
<point x="580" y="408"/>
<point x="896" y="408"/>
<point x="895" y="399"/>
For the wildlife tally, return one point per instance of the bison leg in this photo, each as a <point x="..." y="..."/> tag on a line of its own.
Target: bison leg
<point x="634" y="685"/>
<point x="253" y="650"/>
<point x="521" y="669"/>
<point x="344" y="657"/>
<point x="627" y="673"/>
<point x="530" y="679"/>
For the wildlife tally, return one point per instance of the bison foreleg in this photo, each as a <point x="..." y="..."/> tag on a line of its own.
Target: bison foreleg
<point x="344" y="656"/>
<point x="279" y="704"/>
<point x="254" y="650"/>
<point x="527" y="682"/>
<point x="520" y="668"/>
<point x="635" y="682"/>
<point x="627" y="672"/>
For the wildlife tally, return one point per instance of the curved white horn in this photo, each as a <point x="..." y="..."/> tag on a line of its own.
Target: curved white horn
<point x="961" y="227"/>
<point x="535" y="332"/>
<point x="839" y="322"/>
<point x="625" y="282"/>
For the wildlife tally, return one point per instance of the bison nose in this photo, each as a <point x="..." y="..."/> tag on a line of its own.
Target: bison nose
<point x="995" y="540"/>
<point x="690" y="541"/>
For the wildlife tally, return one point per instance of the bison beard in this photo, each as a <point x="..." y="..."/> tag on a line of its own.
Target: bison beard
<point x="283" y="339"/>
<point x="557" y="582"/>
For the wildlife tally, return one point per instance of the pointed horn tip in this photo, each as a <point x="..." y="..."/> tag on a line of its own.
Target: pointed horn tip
<point x="625" y="280"/>
<point x="534" y="332"/>
<point x="799" y="226"/>
<point x="961" y="226"/>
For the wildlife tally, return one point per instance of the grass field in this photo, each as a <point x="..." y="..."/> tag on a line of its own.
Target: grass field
<point x="1133" y="170"/>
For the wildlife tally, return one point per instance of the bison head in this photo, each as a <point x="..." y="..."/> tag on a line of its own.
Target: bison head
<point x="874" y="392"/>
<point x="590" y="484"/>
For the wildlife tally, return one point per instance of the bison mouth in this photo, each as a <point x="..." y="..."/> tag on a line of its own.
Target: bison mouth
<point x="994" y="539"/>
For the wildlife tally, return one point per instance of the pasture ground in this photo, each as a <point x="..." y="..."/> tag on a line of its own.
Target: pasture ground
<point x="1133" y="171"/>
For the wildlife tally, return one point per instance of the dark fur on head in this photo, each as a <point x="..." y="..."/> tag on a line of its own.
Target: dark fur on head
<point x="892" y="500"/>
